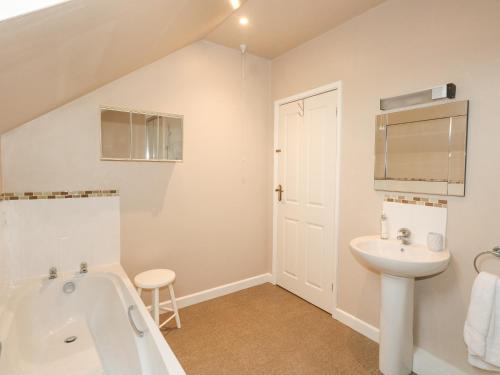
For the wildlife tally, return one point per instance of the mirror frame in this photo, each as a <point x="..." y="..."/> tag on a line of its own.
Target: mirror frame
<point x="452" y="110"/>
<point x="141" y="112"/>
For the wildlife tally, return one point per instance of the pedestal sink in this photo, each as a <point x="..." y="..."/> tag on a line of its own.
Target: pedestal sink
<point x="399" y="265"/>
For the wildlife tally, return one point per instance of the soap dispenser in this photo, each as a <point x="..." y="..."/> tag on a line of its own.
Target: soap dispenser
<point x="384" y="232"/>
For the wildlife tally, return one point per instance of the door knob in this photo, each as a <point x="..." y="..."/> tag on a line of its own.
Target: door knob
<point x="279" y="190"/>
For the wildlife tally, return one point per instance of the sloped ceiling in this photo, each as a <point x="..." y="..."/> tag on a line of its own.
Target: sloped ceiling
<point x="50" y="57"/>
<point x="275" y="26"/>
<point x="55" y="55"/>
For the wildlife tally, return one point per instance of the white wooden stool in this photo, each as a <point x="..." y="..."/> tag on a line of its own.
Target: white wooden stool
<point x="156" y="279"/>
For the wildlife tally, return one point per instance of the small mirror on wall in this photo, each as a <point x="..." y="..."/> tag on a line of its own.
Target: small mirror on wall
<point x="140" y="136"/>
<point x="422" y="150"/>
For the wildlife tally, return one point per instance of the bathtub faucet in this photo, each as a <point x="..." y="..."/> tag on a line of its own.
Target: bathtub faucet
<point x="52" y="273"/>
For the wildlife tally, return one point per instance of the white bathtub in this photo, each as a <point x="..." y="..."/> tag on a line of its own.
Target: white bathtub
<point x="38" y="317"/>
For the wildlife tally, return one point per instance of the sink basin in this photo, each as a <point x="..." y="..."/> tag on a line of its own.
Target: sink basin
<point x="399" y="265"/>
<point x="393" y="258"/>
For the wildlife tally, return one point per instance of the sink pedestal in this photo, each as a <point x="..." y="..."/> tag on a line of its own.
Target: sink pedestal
<point x="396" y="325"/>
<point x="399" y="265"/>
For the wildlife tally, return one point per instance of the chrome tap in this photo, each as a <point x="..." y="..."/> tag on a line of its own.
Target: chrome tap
<point x="52" y="273"/>
<point x="404" y="235"/>
<point x="84" y="267"/>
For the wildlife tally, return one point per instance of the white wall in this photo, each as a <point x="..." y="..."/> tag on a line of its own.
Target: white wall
<point x="395" y="48"/>
<point x="207" y="218"/>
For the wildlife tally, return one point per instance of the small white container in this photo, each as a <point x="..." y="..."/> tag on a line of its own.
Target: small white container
<point x="435" y="241"/>
<point x="384" y="232"/>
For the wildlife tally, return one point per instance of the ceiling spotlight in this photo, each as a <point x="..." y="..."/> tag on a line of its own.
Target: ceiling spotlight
<point x="235" y="4"/>
<point x="243" y="21"/>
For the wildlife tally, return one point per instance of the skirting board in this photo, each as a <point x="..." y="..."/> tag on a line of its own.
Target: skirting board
<point x="356" y="324"/>
<point x="219" y="291"/>
<point x="424" y="363"/>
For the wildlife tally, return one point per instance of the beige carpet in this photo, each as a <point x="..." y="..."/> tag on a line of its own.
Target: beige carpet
<point x="266" y="330"/>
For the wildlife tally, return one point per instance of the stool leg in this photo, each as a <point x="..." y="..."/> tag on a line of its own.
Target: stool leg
<point x="139" y="291"/>
<point x="156" y="305"/>
<point x="174" y="305"/>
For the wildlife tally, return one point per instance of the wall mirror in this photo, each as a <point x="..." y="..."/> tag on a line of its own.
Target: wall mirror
<point x="422" y="150"/>
<point x="140" y="136"/>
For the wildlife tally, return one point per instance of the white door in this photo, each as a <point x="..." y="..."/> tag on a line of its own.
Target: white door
<point x="306" y="218"/>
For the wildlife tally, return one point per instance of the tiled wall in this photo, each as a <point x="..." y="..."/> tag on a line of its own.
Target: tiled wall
<point x="41" y="232"/>
<point x="420" y="215"/>
<point x="58" y="195"/>
<point x="411" y="199"/>
<point x="4" y="266"/>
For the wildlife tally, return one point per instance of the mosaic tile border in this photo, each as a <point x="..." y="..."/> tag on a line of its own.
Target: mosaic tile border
<point x="421" y="201"/>
<point x="58" y="195"/>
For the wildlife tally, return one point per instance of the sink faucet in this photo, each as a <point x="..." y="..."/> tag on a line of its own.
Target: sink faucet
<point x="404" y="235"/>
<point x="52" y="273"/>
<point x="84" y="267"/>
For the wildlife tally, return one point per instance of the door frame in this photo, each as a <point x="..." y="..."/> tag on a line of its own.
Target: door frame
<point x="303" y="95"/>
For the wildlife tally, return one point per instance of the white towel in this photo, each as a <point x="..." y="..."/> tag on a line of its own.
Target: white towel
<point x="479" y="363"/>
<point x="492" y="355"/>
<point x="478" y="320"/>
<point x="482" y="327"/>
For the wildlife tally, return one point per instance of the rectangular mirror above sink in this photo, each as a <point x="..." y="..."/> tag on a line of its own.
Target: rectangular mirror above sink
<point x="140" y="136"/>
<point x="422" y="150"/>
